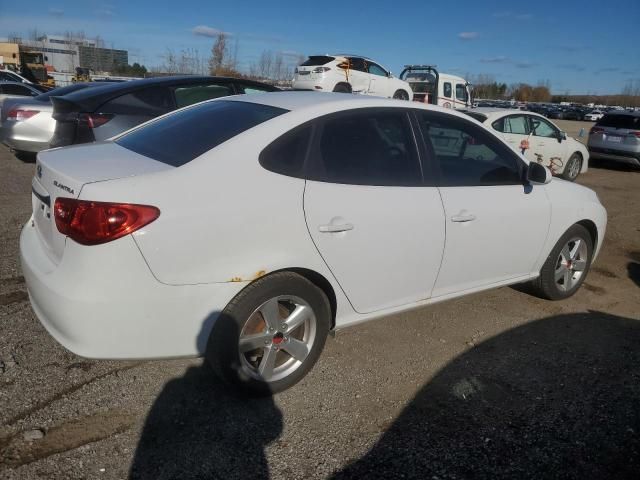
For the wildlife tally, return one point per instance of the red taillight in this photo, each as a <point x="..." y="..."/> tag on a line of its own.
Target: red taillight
<point x="20" y="115"/>
<point x="94" y="120"/>
<point x="635" y="133"/>
<point x="92" y="223"/>
<point x="595" y="130"/>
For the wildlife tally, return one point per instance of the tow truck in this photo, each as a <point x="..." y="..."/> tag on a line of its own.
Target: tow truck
<point x="443" y="89"/>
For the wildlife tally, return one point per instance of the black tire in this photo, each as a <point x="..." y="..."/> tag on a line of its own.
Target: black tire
<point x="573" y="167"/>
<point x="342" y="88"/>
<point x="401" y="95"/>
<point x="545" y="285"/>
<point x="223" y="349"/>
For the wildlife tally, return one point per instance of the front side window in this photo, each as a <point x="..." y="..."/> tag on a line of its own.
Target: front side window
<point x="515" y="124"/>
<point x="368" y="147"/>
<point x="190" y="94"/>
<point x="461" y="92"/>
<point x="466" y="154"/>
<point x="377" y="70"/>
<point x="179" y="138"/>
<point x="542" y="128"/>
<point x="447" y="89"/>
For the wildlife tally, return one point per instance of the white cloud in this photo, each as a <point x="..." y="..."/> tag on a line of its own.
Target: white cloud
<point x="205" y="31"/>
<point x="468" y="35"/>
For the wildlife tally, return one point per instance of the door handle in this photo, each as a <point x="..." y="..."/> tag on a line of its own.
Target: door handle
<point x="463" y="217"/>
<point x="335" y="228"/>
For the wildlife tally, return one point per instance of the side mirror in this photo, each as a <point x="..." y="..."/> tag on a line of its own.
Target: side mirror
<point x="538" y="174"/>
<point x="561" y="136"/>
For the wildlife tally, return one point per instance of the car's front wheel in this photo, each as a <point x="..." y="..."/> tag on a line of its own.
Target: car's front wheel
<point x="566" y="266"/>
<point x="573" y="167"/>
<point x="271" y="334"/>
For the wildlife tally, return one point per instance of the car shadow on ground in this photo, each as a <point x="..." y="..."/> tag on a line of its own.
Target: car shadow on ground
<point x="200" y="428"/>
<point x="612" y="165"/>
<point x="555" y="398"/>
<point x="633" y="268"/>
<point x="26" y="157"/>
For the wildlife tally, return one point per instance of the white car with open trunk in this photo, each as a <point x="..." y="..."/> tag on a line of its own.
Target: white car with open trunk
<point x="246" y="228"/>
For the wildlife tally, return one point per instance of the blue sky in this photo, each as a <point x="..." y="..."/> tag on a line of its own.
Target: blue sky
<point x="579" y="46"/>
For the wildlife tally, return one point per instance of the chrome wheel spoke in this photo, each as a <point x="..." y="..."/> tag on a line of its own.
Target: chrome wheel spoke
<point x="268" y="362"/>
<point x="296" y="348"/>
<point x="568" y="274"/>
<point x="271" y="313"/>
<point x="254" y="342"/>
<point x="560" y="272"/>
<point x="574" y="251"/>
<point x="566" y="253"/>
<point x="298" y="317"/>
<point x="579" y="265"/>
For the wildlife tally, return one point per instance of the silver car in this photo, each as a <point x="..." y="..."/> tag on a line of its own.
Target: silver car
<point x="616" y="136"/>
<point x="26" y="124"/>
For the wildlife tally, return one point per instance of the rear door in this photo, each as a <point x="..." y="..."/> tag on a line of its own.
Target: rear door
<point x="376" y="224"/>
<point x="359" y="77"/>
<point x="514" y="129"/>
<point x="495" y="226"/>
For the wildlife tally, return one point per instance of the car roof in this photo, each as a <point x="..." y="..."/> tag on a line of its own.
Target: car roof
<point x="634" y="113"/>
<point x="91" y="98"/>
<point x="299" y="100"/>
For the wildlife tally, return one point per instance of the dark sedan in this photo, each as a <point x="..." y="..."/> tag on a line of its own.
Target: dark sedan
<point x="102" y="112"/>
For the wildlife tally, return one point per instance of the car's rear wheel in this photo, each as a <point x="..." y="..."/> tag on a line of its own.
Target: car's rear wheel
<point x="573" y="167"/>
<point x="342" y="88"/>
<point x="271" y="334"/>
<point x="566" y="266"/>
<point x="401" y="95"/>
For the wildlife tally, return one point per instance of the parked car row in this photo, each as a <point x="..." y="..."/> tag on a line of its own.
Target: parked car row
<point x="87" y="112"/>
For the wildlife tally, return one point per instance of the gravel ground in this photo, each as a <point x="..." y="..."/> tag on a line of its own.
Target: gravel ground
<point x="495" y="385"/>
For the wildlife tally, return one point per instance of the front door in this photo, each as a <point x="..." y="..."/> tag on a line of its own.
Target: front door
<point x="377" y="227"/>
<point x="545" y="147"/>
<point x="379" y="81"/>
<point x="495" y="225"/>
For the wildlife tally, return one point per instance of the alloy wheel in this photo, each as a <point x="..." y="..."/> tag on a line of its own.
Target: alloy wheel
<point x="571" y="264"/>
<point x="277" y="338"/>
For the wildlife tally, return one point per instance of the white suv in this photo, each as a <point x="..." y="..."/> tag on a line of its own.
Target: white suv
<point x="349" y="74"/>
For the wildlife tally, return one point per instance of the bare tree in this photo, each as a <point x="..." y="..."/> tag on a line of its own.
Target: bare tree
<point x="218" y="54"/>
<point x="265" y="63"/>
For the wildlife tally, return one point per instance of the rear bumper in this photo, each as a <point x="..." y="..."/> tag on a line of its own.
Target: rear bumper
<point x="26" y="145"/>
<point x="632" y="158"/>
<point x="103" y="302"/>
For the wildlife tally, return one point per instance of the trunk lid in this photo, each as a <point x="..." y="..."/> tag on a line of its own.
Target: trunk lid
<point x="63" y="172"/>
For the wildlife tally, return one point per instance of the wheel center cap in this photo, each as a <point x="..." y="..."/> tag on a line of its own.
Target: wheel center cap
<point x="278" y="338"/>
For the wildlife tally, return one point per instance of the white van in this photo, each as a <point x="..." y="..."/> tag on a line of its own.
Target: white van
<point x="431" y="86"/>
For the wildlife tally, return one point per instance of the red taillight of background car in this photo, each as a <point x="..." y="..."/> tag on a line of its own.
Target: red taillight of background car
<point x="93" y="223"/>
<point x="595" y="130"/>
<point x="94" y="120"/>
<point x="20" y="115"/>
<point x="635" y="133"/>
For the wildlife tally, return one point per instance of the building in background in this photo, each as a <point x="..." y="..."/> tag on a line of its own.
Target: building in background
<point x="9" y="55"/>
<point x="64" y="53"/>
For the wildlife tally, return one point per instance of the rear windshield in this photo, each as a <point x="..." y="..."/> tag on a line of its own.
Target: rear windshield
<point x="317" y="61"/>
<point x="478" y="116"/>
<point x="631" y="122"/>
<point x="182" y="136"/>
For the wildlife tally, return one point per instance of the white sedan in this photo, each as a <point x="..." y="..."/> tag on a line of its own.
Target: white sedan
<point x="594" y="115"/>
<point x="246" y="228"/>
<point x="541" y="140"/>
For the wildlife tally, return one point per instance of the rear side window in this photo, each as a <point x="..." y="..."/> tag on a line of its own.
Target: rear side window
<point x="367" y="148"/>
<point x="630" y="122"/>
<point x="12" y="89"/>
<point x="516" y="124"/>
<point x="286" y="154"/>
<point x="179" y="138"/>
<point x="317" y="61"/>
<point x="190" y="94"/>
<point x="152" y="101"/>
